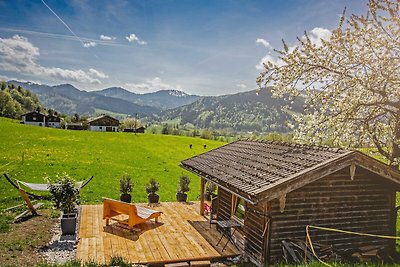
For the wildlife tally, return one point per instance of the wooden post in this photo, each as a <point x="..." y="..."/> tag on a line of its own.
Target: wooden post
<point x="202" y="186"/>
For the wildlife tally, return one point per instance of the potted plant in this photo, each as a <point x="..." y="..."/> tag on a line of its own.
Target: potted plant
<point x="210" y="190"/>
<point x="151" y="189"/>
<point x="183" y="188"/>
<point x="125" y="187"/>
<point x="66" y="197"/>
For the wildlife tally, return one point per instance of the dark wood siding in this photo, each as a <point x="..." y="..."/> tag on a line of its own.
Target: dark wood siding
<point x="366" y="204"/>
<point x="254" y="228"/>
<point x="224" y="206"/>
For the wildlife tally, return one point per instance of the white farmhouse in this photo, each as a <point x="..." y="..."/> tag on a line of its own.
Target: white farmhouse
<point x="104" y="123"/>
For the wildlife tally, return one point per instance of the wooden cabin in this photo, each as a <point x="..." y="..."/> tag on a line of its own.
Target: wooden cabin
<point x="274" y="190"/>
<point x="104" y="123"/>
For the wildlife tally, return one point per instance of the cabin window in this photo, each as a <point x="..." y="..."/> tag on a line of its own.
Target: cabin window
<point x="238" y="208"/>
<point x="34" y="118"/>
<point x="100" y="128"/>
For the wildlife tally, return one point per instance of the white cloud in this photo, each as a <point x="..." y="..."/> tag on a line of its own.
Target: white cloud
<point x="241" y="86"/>
<point x="133" y="38"/>
<point x="266" y="58"/>
<point x="107" y="38"/>
<point x="97" y="73"/>
<point x="151" y="85"/>
<point x="317" y="34"/>
<point x="264" y="42"/>
<point x="19" y="55"/>
<point x="89" y="44"/>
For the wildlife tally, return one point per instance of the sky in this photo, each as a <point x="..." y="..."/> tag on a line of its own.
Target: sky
<point x="203" y="47"/>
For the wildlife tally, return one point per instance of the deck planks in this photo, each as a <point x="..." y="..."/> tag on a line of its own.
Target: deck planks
<point x="182" y="234"/>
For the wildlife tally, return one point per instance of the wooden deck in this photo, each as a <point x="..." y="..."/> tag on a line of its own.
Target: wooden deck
<point x="181" y="234"/>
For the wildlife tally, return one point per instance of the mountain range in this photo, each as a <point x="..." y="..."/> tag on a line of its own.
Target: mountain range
<point x="242" y="112"/>
<point x="163" y="99"/>
<point x="120" y="102"/>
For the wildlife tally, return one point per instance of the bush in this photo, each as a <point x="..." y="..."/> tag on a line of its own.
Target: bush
<point x="152" y="187"/>
<point x="65" y="194"/>
<point x="184" y="182"/>
<point x="125" y="184"/>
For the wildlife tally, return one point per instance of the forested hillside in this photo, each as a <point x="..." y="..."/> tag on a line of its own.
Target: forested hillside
<point x="15" y="101"/>
<point x="240" y="112"/>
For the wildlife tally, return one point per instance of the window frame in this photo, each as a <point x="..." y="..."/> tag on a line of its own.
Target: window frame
<point x="236" y="202"/>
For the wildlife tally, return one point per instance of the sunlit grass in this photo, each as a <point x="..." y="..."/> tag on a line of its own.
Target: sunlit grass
<point x="37" y="152"/>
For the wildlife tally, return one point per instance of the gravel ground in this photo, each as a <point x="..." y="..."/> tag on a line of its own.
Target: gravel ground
<point x="61" y="248"/>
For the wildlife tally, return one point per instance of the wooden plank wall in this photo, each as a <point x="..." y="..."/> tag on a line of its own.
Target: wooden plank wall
<point x="366" y="204"/>
<point x="224" y="204"/>
<point x="254" y="228"/>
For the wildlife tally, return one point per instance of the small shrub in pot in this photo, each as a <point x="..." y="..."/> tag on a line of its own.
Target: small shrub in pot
<point x="66" y="197"/>
<point x="151" y="189"/>
<point x="125" y="187"/>
<point x="183" y="188"/>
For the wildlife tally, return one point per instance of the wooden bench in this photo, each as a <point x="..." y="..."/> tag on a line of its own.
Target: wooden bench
<point x="137" y="214"/>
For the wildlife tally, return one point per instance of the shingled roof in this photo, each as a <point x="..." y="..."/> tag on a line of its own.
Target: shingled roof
<point x="260" y="170"/>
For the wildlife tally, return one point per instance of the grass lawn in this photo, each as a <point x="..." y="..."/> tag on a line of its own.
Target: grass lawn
<point x="37" y="152"/>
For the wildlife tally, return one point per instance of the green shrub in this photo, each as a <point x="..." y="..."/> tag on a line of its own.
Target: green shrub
<point x="65" y="194"/>
<point x="125" y="184"/>
<point x="184" y="182"/>
<point x="152" y="187"/>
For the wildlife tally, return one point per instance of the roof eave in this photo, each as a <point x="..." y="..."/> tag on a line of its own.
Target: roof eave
<point x="235" y="191"/>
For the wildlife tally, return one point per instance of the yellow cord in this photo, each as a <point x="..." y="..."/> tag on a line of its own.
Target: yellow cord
<point x="339" y="231"/>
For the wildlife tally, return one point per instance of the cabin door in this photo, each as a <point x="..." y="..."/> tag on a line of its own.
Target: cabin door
<point x="108" y="129"/>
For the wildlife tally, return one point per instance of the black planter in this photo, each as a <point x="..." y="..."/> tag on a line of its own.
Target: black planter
<point x="126" y="198"/>
<point x="207" y="196"/>
<point x="181" y="197"/>
<point x="153" y="198"/>
<point x="68" y="223"/>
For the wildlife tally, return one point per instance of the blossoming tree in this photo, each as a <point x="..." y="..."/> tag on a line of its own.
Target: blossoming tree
<point x="350" y="82"/>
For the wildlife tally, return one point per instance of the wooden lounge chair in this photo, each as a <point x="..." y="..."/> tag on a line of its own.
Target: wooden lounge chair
<point x="31" y="207"/>
<point x="137" y="214"/>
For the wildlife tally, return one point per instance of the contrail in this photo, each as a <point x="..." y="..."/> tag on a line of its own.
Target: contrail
<point x="65" y="24"/>
<point x="63" y="37"/>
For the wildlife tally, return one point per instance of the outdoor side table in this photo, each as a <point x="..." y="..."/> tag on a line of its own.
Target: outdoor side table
<point x="226" y="227"/>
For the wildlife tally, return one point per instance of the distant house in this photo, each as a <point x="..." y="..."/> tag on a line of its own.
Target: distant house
<point x="40" y="119"/>
<point x="34" y="118"/>
<point x="103" y="123"/>
<point x="271" y="191"/>
<point x="74" y="126"/>
<point x="140" y="129"/>
<point x="53" y="121"/>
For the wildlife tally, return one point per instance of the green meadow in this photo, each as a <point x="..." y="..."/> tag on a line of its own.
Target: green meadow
<point x="34" y="154"/>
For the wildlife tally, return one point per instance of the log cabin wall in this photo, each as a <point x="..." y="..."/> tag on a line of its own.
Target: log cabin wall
<point x="366" y="204"/>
